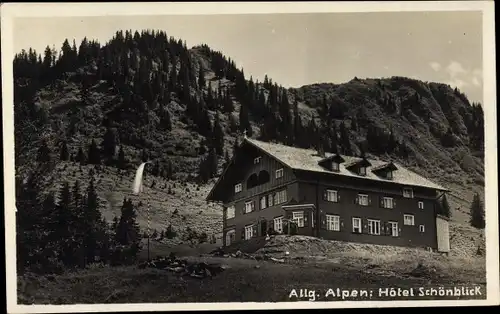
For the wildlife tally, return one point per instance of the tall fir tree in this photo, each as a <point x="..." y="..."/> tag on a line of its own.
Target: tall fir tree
<point x="477" y="217"/>
<point x="64" y="153"/>
<point x="218" y="136"/>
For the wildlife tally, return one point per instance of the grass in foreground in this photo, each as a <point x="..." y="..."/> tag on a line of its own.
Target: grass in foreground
<point x="244" y="281"/>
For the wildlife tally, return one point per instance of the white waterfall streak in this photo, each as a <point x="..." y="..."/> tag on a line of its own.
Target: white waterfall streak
<point x="138" y="187"/>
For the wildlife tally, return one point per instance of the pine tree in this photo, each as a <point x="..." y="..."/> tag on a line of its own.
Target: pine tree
<point x="445" y="207"/>
<point x="477" y="219"/>
<point x="63" y="231"/>
<point x="109" y="143"/>
<point x="94" y="153"/>
<point x="218" y="136"/>
<point x="244" y="122"/>
<point x="43" y="155"/>
<point x="64" y="153"/>
<point x="122" y="161"/>
<point x="345" y="142"/>
<point x="91" y="222"/>
<point x="128" y="232"/>
<point x="27" y="221"/>
<point x="80" y="156"/>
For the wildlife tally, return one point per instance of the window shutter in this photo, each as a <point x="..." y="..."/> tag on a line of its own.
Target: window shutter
<point x="323" y="221"/>
<point x="325" y="196"/>
<point x="393" y="203"/>
<point x="306" y="219"/>
<point x="356" y="200"/>
<point x="254" y="233"/>
<point x="341" y="224"/>
<point x="381" y="202"/>
<point x="243" y="234"/>
<point x="369" y="200"/>
<point x="338" y="197"/>
<point x="364" y="226"/>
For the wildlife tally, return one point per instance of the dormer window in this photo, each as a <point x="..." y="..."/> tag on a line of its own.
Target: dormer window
<point x="256" y="160"/>
<point x="332" y="163"/>
<point x="358" y="166"/>
<point x="385" y="171"/>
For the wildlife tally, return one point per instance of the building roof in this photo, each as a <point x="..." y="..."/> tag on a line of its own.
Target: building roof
<point x="308" y="160"/>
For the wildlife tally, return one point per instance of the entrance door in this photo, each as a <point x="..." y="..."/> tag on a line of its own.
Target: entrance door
<point x="263" y="227"/>
<point x="230" y="236"/>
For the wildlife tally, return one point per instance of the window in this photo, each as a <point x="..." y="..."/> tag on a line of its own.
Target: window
<point x="298" y="218"/>
<point x="263" y="202"/>
<point x="408" y="193"/>
<point x="237" y="188"/>
<point x="278" y="224"/>
<point x="388" y="175"/>
<point x="331" y="196"/>
<point x="394" y="228"/>
<point x="332" y="223"/>
<point x="363" y="199"/>
<point x="421" y="228"/>
<point x="362" y="171"/>
<point x="420" y="205"/>
<point x="279" y="173"/>
<point x="231" y="211"/>
<point x="256" y="160"/>
<point x="374" y="227"/>
<point x="335" y="166"/>
<point x="270" y="200"/>
<point x="249" y="207"/>
<point x="356" y="225"/>
<point x="280" y="197"/>
<point x="388" y="202"/>
<point x="409" y="220"/>
<point x="248" y="232"/>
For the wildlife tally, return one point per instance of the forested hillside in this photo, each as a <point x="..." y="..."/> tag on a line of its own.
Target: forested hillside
<point x="91" y="112"/>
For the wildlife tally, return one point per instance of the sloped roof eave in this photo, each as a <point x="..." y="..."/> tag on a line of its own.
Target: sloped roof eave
<point x="434" y="186"/>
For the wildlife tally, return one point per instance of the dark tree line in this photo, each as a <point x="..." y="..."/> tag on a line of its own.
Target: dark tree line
<point x="65" y="230"/>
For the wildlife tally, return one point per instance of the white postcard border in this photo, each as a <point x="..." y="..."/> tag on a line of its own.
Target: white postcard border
<point x="12" y="10"/>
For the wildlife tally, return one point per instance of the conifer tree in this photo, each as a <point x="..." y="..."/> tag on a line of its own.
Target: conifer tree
<point x="109" y="143"/>
<point x="445" y="207"/>
<point x="43" y="155"/>
<point x="63" y="231"/>
<point x="477" y="213"/>
<point x="80" y="156"/>
<point x="345" y="142"/>
<point x="64" y="153"/>
<point x="128" y="232"/>
<point x="122" y="161"/>
<point x="218" y="136"/>
<point x="94" y="153"/>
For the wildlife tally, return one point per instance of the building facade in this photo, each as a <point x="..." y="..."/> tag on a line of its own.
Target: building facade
<point x="268" y="186"/>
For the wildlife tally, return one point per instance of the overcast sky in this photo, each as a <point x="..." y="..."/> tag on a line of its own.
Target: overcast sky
<point x="300" y="49"/>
